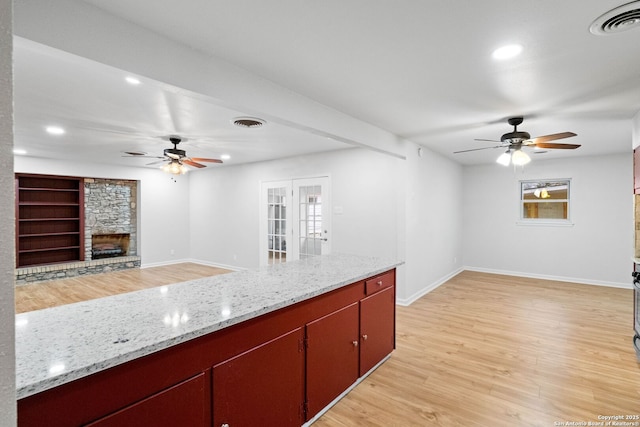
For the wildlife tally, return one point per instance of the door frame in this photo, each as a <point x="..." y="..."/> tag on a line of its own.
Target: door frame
<point x="290" y="216"/>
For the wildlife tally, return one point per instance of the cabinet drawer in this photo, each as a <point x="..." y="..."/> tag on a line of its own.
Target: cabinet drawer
<point x="380" y="282"/>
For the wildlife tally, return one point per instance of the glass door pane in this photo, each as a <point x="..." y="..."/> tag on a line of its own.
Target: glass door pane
<point x="276" y="225"/>
<point x="313" y="228"/>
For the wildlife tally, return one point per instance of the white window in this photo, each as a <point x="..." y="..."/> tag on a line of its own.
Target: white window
<point x="545" y="201"/>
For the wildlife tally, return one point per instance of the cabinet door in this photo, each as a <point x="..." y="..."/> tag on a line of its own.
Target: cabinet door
<point x="332" y="357"/>
<point x="377" y="328"/>
<point x="185" y="404"/>
<point x="263" y="386"/>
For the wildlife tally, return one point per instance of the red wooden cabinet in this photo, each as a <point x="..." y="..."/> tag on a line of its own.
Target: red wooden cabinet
<point x="184" y="404"/>
<point x="377" y="328"/>
<point x="263" y="386"/>
<point x="332" y="357"/>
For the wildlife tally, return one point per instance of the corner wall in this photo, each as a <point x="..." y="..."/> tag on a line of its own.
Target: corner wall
<point x="434" y="189"/>
<point x="635" y="130"/>
<point x="7" y="223"/>
<point x="597" y="249"/>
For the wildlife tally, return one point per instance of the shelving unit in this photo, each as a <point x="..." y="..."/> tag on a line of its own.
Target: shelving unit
<point x="49" y="219"/>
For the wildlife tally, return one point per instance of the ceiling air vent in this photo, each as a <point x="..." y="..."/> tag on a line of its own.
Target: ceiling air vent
<point x="248" y="122"/>
<point x="620" y="19"/>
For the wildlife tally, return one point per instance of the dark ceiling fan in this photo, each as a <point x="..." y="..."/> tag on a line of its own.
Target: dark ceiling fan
<point x="516" y="140"/>
<point x="175" y="159"/>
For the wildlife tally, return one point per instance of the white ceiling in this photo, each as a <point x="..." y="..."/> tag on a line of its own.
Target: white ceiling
<point x="104" y="116"/>
<point x="419" y="69"/>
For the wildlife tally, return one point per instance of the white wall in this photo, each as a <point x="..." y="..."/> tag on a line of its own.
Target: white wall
<point x="164" y="204"/>
<point x="597" y="249"/>
<point x="433" y="222"/>
<point x="225" y="204"/>
<point x="7" y="224"/>
<point x="635" y="130"/>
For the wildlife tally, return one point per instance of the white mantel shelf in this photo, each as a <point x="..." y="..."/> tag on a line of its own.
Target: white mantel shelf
<point x="61" y="344"/>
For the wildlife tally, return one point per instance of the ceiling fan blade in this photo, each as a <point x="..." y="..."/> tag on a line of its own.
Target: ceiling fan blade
<point x="486" y="140"/>
<point x="157" y="162"/>
<point x="477" y="149"/>
<point x="202" y="159"/>
<point x="552" y="137"/>
<point x="135" y="156"/>
<point x="556" y="146"/>
<point x="192" y="163"/>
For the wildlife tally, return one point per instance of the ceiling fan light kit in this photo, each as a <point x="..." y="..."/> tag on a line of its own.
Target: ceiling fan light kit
<point x="175" y="167"/>
<point x="520" y="158"/>
<point x="504" y="159"/>
<point x="515" y="141"/>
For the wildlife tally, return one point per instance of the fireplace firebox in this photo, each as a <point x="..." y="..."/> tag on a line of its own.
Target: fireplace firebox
<point x="109" y="245"/>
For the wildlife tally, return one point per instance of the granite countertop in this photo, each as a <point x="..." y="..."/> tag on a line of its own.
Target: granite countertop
<point x="60" y="344"/>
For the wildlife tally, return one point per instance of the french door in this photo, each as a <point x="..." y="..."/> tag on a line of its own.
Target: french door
<point x="294" y="220"/>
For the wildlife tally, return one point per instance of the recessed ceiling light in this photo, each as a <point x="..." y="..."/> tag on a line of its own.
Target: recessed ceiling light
<point x="225" y="157"/>
<point x="55" y="130"/>
<point x="507" y="52"/>
<point x="132" y="80"/>
<point x="19" y="152"/>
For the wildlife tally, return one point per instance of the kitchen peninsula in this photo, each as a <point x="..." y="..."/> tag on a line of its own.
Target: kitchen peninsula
<point x="277" y="343"/>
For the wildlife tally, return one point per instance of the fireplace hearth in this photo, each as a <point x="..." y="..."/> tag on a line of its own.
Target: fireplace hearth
<point x="109" y="245"/>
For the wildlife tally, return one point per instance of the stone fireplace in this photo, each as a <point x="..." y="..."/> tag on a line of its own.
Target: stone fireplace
<point x="110" y="218"/>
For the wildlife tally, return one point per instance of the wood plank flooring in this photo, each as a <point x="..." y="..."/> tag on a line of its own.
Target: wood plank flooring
<point x="490" y="350"/>
<point x="66" y="291"/>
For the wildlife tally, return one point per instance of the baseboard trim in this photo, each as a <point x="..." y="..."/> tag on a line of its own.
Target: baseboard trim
<point x="194" y="261"/>
<point x="344" y="393"/>
<point x="416" y="296"/>
<point x="215" y="264"/>
<point x="162" y="263"/>
<point x="554" y="278"/>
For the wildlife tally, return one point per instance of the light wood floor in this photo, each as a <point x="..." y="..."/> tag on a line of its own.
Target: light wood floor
<point x="66" y="291"/>
<point x="487" y="350"/>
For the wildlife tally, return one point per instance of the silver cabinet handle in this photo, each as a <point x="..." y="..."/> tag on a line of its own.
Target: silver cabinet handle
<point x="355" y="343"/>
<point x="364" y="337"/>
<point x="380" y="283"/>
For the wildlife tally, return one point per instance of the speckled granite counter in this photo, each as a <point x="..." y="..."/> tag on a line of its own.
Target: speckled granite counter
<point x="58" y="345"/>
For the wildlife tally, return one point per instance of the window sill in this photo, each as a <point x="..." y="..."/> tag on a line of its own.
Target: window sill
<point x="543" y="223"/>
